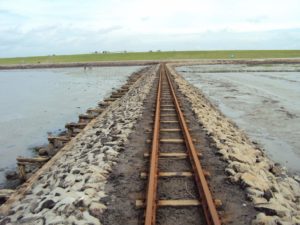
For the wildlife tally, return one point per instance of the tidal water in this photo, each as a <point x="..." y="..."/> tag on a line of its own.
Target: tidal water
<point x="36" y="102"/>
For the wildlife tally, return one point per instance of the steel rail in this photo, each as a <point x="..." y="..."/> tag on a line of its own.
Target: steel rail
<point x="209" y="208"/>
<point x="151" y="201"/>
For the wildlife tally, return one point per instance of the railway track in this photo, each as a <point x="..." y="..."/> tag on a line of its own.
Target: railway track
<point x="173" y="149"/>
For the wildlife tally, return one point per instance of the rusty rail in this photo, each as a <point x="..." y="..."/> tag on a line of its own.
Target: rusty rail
<point x="151" y="203"/>
<point x="209" y="209"/>
<point x="208" y="205"/>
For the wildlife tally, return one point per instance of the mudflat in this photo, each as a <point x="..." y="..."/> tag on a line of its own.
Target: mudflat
<point x="263" y="104"/>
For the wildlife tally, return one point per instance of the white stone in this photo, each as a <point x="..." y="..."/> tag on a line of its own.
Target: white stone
<point x="96" y="208"/>
<point x="90" y="192"/>
<point x="252" y="180"/>
<point x="273" y="209"/>
<point x="262" y="219"/>
<point x="112" y="152"/>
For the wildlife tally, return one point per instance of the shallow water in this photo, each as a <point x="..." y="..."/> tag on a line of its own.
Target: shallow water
<point x="264" y="104"/>
<point x="38" y="101"/>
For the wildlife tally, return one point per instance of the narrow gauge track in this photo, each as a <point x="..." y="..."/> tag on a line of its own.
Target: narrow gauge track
<point x="172" y="142"/>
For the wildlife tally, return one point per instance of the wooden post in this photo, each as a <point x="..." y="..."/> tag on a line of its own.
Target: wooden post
<point x="22" y="171"/>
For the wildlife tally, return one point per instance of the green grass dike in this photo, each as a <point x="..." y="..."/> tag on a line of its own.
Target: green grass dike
<point x="158" y="55"/>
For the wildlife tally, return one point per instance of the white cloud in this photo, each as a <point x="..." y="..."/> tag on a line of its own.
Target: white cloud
<point x="35" y="27"/>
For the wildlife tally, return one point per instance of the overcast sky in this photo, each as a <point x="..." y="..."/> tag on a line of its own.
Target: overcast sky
<point x="43" y="27"/>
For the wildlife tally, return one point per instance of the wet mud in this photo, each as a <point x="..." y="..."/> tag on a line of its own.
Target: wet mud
<point x="264" y="104"/>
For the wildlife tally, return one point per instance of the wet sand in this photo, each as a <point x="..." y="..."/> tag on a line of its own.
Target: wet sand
<point x="35" y="102"/>
<point x="263" y="104"/>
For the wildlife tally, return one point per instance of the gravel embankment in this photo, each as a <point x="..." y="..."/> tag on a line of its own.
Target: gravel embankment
<point x="71" y="191"/>
<point x="275" y="194"/>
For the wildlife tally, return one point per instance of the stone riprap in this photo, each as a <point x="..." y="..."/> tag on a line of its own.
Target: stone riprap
<point x="274" y="193"/>
<point x="70" y="192"/>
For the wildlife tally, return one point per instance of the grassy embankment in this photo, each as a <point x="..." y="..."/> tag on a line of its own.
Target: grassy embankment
<point x="247" y="54"/>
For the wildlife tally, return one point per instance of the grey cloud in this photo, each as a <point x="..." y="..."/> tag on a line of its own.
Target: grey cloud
<point x="50" y="39"/>
<point x="42" y="27"/>
<point x="257" y="19"/>
<point x="10" y="15"/>
<point x="145" y="18"/>
<point x="74" y="40"/>
<point x="109" y="29"/>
